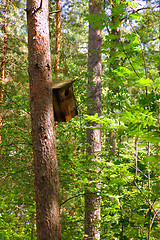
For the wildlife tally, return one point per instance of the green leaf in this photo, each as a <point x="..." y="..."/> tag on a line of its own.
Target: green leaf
<point x="145" y="82"/>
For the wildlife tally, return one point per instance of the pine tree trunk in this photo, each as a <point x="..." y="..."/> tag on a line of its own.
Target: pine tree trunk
<point x="58" y="39"/>
<point x="43" y="132"/>
<point x="116" y="32"/>
<point x="3" y="60"/>
<point x="92" y="195"/>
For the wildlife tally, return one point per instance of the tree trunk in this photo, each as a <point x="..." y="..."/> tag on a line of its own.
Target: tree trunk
<point x="92" y="197"/>
<point x="116" y="32"/>
<point x="58" y="39"/>
<point x="42" y="119"/>
<point x="3" y="62"/>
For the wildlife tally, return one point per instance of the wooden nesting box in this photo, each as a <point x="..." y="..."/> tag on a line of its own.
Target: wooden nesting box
<point x="64" y="103"/>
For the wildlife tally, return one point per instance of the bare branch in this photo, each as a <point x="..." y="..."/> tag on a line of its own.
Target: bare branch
<point x="80" y="194"/>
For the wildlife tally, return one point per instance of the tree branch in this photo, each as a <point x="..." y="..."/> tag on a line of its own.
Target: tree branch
<point x="129" y="60"/>
<point x="37" y="9"/>
<point x="80" y="194"/>
<point x="55" y="11"/>
<point x="136" y="11"/>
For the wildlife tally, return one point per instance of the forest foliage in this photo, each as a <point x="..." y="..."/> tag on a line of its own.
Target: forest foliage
<point x="130" y="108"/>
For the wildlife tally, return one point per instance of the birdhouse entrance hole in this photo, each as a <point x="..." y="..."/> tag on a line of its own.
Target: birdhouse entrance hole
<point x="67" y="93"/>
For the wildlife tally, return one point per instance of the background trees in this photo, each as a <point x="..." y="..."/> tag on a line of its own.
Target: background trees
<point x="129" y="207"/>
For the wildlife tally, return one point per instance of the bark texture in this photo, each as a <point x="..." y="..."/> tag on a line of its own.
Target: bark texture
<point x="92" y="197"/>
<point x="42" y="119"/>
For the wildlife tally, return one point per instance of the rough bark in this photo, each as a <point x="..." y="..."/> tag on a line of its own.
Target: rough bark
<point x="92" y="197"/>
<point x="43" y="132"/>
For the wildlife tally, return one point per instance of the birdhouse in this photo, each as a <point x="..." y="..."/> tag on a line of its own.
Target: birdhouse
<point x="64" y="103"/>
